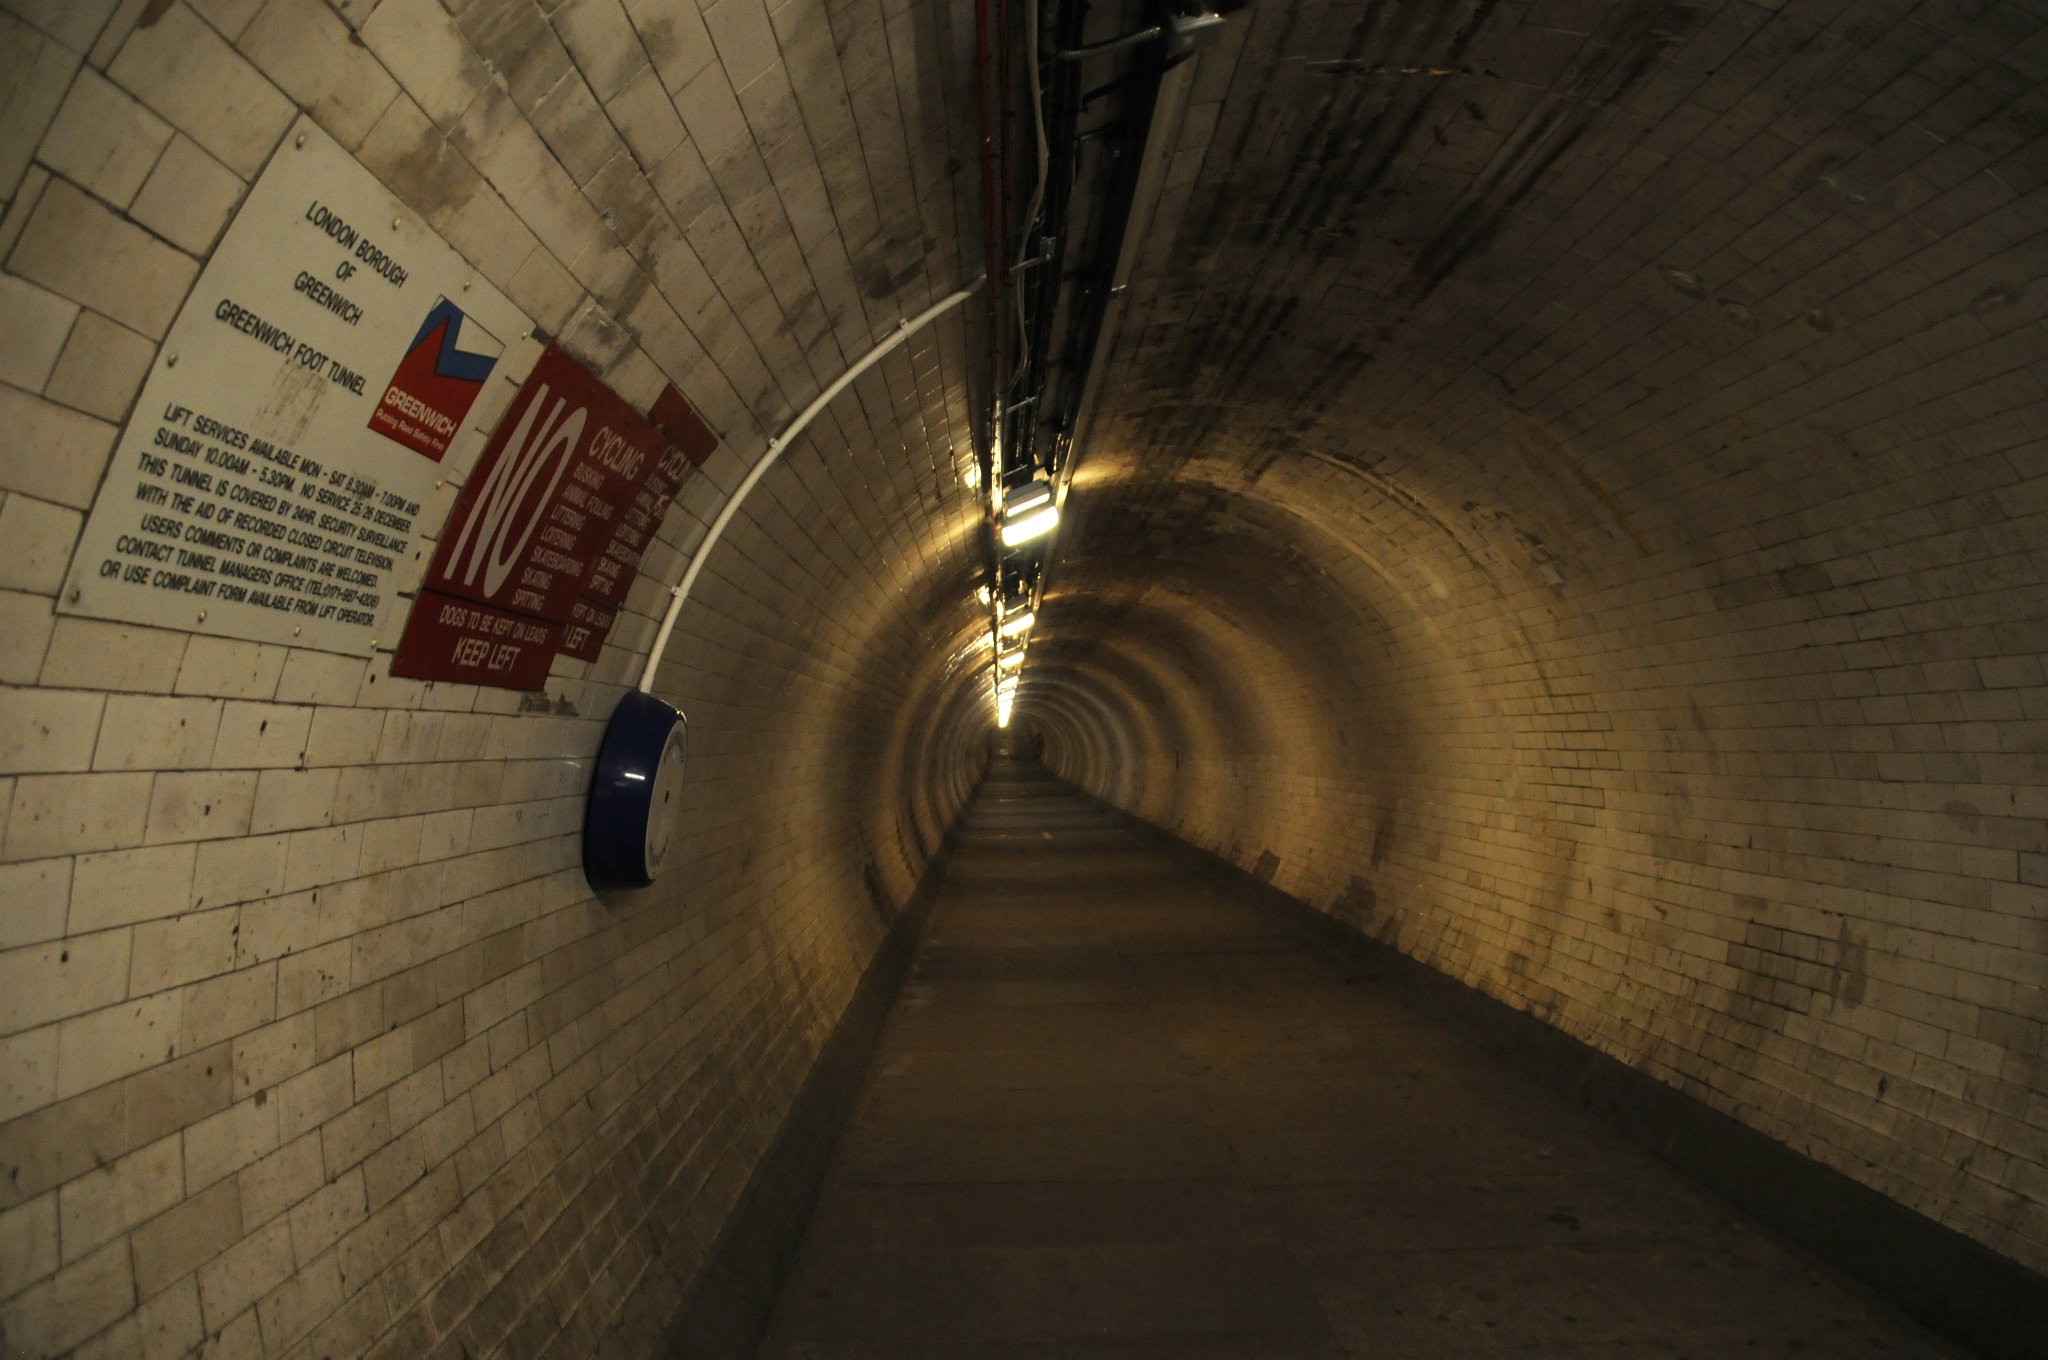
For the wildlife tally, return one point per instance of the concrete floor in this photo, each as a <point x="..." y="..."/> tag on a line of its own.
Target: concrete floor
<point x="1119" y="1112"/>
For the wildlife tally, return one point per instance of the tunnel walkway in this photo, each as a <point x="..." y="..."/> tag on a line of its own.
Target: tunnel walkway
<point x="1120" y="1111"/>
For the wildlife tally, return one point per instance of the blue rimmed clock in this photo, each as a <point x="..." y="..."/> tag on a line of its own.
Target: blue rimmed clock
<point x="630" y="818"/>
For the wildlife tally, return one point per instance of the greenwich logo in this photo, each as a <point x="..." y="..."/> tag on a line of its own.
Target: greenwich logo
<point x="437" y="381"/>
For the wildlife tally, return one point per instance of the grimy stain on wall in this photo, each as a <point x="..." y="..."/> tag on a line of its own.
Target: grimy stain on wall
<point x="1568" y="503"/>
<point x="1570" y="510"/>
<point x="313" y="1038"/>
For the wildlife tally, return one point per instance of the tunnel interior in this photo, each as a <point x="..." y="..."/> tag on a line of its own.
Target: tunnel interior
<point x="1553" y="489"/>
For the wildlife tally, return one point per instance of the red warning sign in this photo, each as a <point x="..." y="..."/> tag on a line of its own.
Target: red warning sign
<point x="549" y="530"/>
<point x="673" y="415"/>
<point x="451" y="639"/>
<point x="589" y="624"/>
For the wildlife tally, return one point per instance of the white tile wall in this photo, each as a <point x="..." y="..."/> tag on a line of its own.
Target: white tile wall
<point x="311" y="1034"/>
<point x="1594" y="562"/>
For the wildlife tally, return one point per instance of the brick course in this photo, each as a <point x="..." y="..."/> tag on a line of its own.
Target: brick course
<point x="314" y="1041"/>
<point x="1569" y="509"/>
<point x="1567" y="504"/>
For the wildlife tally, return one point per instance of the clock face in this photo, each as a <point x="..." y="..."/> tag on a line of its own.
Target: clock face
<point x="662" y="798"/>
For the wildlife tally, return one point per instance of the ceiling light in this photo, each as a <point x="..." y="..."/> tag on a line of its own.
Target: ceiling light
<point x="1006" y="685"/>
<point x="1008" y="659"/>
<point x="1029" y="496"/>
<point x="1040" y="521"/>
<point x="1017" y="623"/>
<point x="1003" y="711"/>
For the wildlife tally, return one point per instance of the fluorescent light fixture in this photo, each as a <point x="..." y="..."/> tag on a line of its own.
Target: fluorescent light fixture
<point x="1006" y="685"/>
<point x="1029" y="496"/>
<point x="1003" y="711"/>
<point x="1040" y="521"/>
<point x="1017" y="623"/>
<point x="1008" y="659"/>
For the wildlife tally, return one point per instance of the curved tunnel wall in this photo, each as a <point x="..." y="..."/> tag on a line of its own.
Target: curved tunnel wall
<point x="1568" y="507"/>
<point x="313" y="1040"/>
<point x="1601" y="453"/>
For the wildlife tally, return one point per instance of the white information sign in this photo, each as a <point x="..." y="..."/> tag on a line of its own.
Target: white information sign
<point x="271" y="481"/>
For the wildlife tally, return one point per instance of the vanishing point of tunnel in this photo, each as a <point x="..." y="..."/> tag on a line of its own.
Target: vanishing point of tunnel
<point x="993" y="679"/>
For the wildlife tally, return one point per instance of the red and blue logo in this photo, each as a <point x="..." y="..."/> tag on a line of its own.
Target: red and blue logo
<point x="437" y="381"/>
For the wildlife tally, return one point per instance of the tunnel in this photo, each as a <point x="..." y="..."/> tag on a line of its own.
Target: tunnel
<point x="1014" y="678"/>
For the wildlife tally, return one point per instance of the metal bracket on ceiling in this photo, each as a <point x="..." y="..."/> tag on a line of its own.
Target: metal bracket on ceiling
<point x="1183" y="32"/>
<point x="1186" y="32"/>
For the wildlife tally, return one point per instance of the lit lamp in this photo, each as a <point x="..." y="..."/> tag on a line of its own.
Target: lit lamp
<point x="1006" y="697"/>
<point x="1028" y="512"/>
<point x="1017" y="623"/>
<point x="1029" y="496"/>
<point x="1023" y="530"/>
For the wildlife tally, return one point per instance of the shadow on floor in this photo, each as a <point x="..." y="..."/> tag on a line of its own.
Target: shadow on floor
<point x="1120" y="1111"/>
